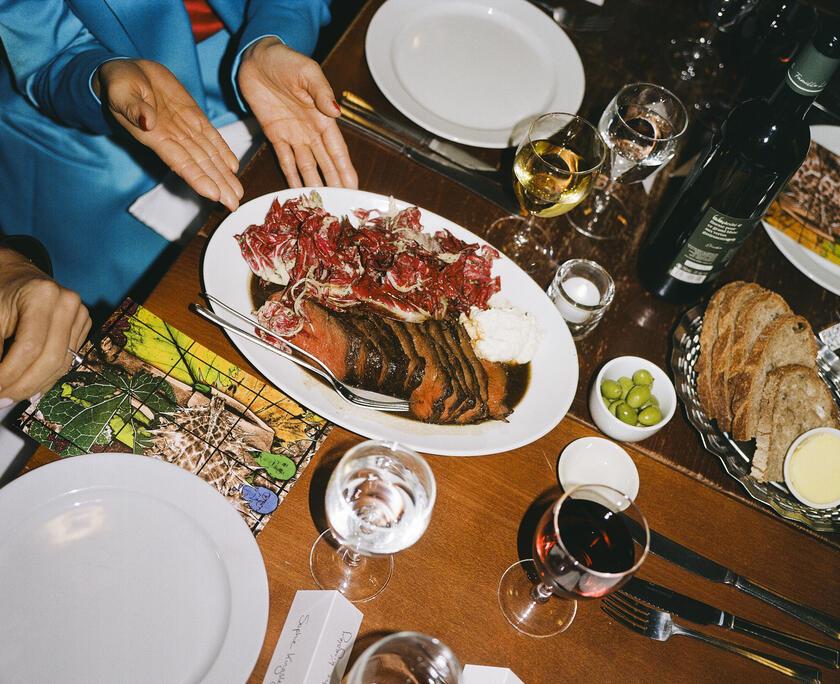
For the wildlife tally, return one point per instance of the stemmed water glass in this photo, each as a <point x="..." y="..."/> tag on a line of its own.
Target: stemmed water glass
<point x="700" y="56"/>
<point x="406" y="657"/>
<point x="641" y="127"/>
<point x="583" y="548"/>
<point x="553" y="171"/>
<point x="379" y="501"/>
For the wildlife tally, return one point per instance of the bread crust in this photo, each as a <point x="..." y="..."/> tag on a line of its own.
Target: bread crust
<point x="718" y="304"/>
<point x="795" y="399"/>
<point x="750" y="324"/>
<point x="727" y="335"/>
<point x="787" y="340"/>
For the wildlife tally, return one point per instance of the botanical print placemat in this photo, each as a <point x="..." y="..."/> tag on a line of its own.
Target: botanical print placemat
<point x="146" y="388"/>
<point x="808" y="208"/>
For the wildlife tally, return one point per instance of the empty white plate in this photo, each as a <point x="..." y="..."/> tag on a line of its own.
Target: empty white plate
<point x="123" y="568"/>
<point x="473" y="71"/>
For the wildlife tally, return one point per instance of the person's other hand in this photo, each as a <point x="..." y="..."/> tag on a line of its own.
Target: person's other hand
<point x="45" y="319"/>
<point x="151" y="104"/>
<point x="295" y="106"/>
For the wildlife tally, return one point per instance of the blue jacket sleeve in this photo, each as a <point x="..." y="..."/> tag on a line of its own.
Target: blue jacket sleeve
<point x="53" y="57"/>
<point x="295" y="22"/>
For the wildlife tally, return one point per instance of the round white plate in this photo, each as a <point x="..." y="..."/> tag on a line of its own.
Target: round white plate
<point x="595" y="460"/>
<point x="554" y="369"/>
<point x="123" y="568"/>
<point x="472" y="71"/>
<point x="813" y="266"/>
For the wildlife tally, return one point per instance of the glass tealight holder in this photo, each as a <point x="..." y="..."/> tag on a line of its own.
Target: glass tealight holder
<point x="582" y="291"/>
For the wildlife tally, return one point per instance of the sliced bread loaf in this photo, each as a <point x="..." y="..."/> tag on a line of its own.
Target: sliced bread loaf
<point x="722" y="349"/>
<point x="795" y="400"/>
<point x="787" y="340"/>
<point x="749" y="325"/>
<point x="718" y="304"/>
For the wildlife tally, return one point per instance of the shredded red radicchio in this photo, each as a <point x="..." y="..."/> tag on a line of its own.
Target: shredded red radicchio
<point x="385" y="264"/>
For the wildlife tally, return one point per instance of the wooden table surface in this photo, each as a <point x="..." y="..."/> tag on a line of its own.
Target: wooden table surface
<point x="446" y="584"/>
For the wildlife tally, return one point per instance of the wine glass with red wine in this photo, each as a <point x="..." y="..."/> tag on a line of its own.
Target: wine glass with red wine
<point x="583" y="549"/>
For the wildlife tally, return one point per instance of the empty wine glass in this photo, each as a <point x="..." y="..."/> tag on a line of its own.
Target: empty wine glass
<point x="553" y="171"/>
<point x="641" y="127"/>
<point x="379" y="501"/>
<point x="583" y="548"/>
<point x="406" y="657"/>
<point x="700" y="57"/>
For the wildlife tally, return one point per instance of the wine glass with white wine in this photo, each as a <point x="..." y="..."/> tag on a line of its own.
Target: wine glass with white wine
<point x="553" y="172"/>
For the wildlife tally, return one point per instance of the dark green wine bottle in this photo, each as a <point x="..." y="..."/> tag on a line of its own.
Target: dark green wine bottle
<point x="759" y="147"/>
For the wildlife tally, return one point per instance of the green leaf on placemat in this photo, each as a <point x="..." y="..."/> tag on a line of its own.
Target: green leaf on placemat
<point x="90" y="409"/>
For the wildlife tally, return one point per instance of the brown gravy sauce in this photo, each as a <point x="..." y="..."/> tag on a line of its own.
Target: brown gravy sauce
<point x="519" y="376"/>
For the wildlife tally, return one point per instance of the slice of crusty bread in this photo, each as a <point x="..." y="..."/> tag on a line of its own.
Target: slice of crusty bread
<point x="718" y="304"/>
<point x="787" y="340"/>
<point x="727" y="334"/>
<point x="795" y="400"/>
<point x="749" y="324"/>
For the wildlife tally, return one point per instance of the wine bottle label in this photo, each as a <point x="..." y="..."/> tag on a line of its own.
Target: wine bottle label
<point x="710" y="247"/>
<point x="811" y="71"/>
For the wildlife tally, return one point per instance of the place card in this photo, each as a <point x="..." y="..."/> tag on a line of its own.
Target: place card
<point x="481" y="674"/>
<point x="316" y="640"/>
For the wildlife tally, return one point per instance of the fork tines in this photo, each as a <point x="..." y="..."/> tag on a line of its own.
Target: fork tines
<point x="626" y="610"/>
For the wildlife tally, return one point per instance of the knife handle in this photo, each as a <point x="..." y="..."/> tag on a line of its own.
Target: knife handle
<point x="824" y="655"/>
<point x="797" y="671"/>
<point x="816" y="619"/>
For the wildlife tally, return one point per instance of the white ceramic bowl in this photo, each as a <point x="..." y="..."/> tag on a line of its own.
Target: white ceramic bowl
<point x="663" y="390"/>
<point x="595" y="460"/>
<point x="791" y="449"/>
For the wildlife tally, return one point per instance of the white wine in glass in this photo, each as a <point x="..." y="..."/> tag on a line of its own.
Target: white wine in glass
<point x="540" y="189"/>
<point x="553" y="171"/>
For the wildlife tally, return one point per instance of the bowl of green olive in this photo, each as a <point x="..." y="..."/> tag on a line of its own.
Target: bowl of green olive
<point x="631" y="399"/>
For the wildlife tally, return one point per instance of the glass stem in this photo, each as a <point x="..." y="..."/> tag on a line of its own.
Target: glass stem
<point x="350" y="557"/>
<point x="541" y="593"/>
<point x="603" y="198"/>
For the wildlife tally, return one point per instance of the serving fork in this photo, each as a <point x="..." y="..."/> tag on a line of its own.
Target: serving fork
<point x="370" y="400"/>
<point x="660" y="626"/>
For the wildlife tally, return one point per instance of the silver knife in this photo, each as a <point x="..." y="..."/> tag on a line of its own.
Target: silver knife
<point x="704" y="614"/>
<point x="477" y="183"/>
<point x="700" y="565"/>
<point x="417" y="137"/>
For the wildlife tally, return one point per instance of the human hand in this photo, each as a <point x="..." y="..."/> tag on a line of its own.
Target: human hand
<point x="295" y="106"/>
<point x="45" y="319"/>
<point x="151" y="104"/>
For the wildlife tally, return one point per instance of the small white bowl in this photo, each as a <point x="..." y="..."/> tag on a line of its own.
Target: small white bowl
<point x="791" y="449"/>
<point x="663" y="390"/>
<point x="595" y="460"/>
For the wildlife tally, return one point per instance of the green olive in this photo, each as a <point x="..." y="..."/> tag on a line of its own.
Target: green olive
<point x="626" y="414"/>
<point x="650" y="416"/>
<point x="642" y="377"/>
<point x="626" y="385"/>
<point x="638" y="396"/>
<point x="610" y="389"/>
<point x="613" y="406"/>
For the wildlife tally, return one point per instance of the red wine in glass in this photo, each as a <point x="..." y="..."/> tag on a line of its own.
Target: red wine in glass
<point x="593" y="554"/>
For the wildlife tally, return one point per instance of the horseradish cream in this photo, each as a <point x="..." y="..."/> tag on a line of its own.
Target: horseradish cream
<point x="502" y="334"/>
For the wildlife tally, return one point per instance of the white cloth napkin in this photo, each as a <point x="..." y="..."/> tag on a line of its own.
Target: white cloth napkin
<point x="172" y="209"/>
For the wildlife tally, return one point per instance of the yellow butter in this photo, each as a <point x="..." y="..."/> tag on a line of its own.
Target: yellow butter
<point x="814" y="468"/>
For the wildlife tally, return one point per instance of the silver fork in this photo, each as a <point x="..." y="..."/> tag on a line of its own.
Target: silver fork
<point x="343" y="390"/>
<point x="660" y="626"/>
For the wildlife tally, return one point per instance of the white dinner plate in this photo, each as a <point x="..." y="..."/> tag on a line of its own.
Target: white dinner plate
<point x="124" y="568"/>
<point x="813" y="266"/>
<point x="473" y="71"/>
<point x="554" y="369"/>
